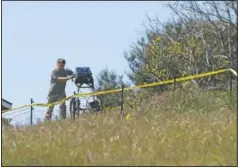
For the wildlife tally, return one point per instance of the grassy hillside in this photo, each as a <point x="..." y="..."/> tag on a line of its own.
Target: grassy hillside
<point x="182" y="128"/>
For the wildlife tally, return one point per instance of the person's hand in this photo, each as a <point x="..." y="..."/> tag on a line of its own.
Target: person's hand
<point x="73" y="76"/>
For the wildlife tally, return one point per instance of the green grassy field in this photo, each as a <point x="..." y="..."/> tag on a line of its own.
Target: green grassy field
<point x="171" y="129"/>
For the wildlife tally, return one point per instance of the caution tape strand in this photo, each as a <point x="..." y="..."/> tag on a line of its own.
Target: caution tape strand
<point x="128" y="88"/>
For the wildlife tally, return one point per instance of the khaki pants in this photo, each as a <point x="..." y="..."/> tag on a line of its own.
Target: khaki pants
<point x="52" y="99"/>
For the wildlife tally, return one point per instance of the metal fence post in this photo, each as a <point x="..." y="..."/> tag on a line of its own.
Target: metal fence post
<point x="122" y="98"/>
<point x="230" y="78"/>
<point x="174" y="83"/>
<point x="31" y="117"/>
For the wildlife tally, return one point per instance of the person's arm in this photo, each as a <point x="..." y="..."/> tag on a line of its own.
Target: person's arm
<point x="64" y="79"/>
<point x="56" y="76"/>
<point x="70" y="73"/>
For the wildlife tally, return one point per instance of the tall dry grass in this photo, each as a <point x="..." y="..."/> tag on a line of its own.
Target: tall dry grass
<point x="176" y="128"/>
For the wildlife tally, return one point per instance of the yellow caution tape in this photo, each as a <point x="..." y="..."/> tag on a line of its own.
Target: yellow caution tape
<point x="233" y="71"/>
<point x="128" y="88"/>
<point x="128" y="116"/>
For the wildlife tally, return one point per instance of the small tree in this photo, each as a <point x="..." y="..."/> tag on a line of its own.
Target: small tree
<point x="108" y="80"/>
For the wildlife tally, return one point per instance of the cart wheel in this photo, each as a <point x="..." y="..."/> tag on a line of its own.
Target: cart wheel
<point x="72" y="108"/>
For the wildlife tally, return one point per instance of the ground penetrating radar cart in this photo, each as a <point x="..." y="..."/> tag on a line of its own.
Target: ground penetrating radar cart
<point x="83" y="79"/>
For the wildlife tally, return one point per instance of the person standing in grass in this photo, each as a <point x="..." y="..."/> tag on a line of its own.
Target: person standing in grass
<point x="59" y="78"/>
